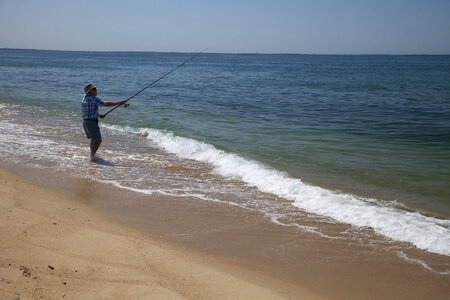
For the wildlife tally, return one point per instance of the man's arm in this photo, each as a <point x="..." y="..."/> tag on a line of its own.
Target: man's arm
<point x="111" y="104"/>
<point x="114" y="103"/>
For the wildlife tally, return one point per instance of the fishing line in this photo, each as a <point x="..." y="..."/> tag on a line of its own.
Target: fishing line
<point x="146" y="87"/>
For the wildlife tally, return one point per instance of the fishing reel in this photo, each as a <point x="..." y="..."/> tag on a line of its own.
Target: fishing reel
<point x="126" y="105"/>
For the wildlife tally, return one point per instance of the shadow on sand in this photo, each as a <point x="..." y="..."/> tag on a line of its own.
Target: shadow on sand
<point x="101" y="161"/>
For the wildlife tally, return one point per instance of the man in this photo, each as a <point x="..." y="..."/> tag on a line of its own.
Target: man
<point x="89" y="107"/>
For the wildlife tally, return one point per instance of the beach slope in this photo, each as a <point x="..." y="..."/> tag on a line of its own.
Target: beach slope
<point x="53" y="246"/>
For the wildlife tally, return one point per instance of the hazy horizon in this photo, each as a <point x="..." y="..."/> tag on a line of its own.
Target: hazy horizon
<point x="207" y="52"/>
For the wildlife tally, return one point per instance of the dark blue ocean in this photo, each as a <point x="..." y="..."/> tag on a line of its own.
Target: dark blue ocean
<point x="361" y="139"/>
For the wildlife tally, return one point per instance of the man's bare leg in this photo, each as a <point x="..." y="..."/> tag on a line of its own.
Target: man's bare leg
<point x="95" y="144"/>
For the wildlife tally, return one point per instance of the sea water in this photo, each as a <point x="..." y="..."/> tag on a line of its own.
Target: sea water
<point x="358" y="139"/>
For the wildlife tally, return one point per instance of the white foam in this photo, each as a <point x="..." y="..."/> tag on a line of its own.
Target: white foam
<point x="426" y="233"/>
<point x="311" y="229"/>
<point x="401" y="254"/>
<point x="172" y="192"/>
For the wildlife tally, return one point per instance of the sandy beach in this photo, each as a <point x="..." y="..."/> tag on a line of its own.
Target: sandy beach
<point x="56" y="247"/>
<point x="78" y="239"/>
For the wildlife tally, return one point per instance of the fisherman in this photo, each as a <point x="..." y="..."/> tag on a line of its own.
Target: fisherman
<point x="89" y="107"/>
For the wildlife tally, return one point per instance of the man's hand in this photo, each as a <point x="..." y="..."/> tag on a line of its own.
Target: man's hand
<point x="102" y="116"/>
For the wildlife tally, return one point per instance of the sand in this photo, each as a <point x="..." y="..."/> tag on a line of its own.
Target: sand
<point x="54" y="246"/>
<point x="69" y="237"/>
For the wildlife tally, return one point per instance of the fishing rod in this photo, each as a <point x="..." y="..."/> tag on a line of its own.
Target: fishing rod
<point x="146" y="87"/>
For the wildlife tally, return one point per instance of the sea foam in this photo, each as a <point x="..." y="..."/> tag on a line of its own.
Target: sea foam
<point x="426" y="233"/>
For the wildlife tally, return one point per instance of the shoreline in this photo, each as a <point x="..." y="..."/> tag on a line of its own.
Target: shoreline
<point x="289" y="262"/>
<point x="55" y="246"/>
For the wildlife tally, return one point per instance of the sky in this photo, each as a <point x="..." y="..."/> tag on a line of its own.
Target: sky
<point x="229" y="26"/>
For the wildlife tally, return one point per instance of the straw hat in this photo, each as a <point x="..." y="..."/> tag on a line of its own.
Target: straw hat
<point x="88" y="88"/>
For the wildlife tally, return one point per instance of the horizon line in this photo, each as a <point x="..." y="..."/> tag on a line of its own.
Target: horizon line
<point x="231" y="53"/>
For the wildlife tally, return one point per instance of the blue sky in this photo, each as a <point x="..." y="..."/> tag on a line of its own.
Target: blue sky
<point x="264" y="26"/>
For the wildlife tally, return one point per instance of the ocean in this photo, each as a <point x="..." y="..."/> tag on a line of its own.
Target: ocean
<point x="354" y="139"/>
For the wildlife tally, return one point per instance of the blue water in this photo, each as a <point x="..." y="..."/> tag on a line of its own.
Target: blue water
<point x="372" y="126"/>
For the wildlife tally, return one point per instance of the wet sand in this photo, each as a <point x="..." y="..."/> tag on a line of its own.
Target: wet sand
<point x="54" y="247"/>
<point x="242" y="246"/>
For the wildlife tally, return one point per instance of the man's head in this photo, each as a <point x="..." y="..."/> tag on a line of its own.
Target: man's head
<point x="90" y="89"/>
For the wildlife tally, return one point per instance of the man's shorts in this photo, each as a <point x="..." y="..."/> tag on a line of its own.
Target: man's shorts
<point x="91" y="128"/>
